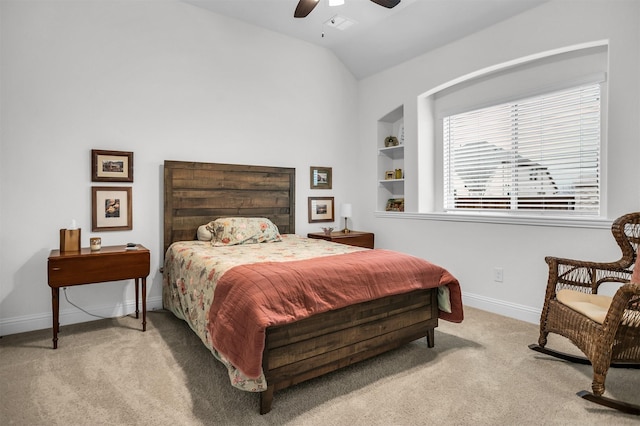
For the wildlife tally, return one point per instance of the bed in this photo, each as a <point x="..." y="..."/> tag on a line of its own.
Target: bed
<point x="327" y="317"/>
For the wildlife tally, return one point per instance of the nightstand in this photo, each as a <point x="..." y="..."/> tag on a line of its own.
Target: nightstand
<point x="353" y="238"/>
<point x="112" y="263"/>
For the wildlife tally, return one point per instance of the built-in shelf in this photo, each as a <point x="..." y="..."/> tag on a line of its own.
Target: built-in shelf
<point x="393" y="152"/>
<point x="390" y="158"/>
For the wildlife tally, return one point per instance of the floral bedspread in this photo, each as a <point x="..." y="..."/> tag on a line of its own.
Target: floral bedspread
<point x="193" y="268"/>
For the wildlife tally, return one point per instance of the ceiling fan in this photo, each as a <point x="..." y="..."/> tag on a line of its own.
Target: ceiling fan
<point x="306" y="6"/>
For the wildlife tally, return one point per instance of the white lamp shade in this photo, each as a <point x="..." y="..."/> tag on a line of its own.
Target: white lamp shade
<point x="346" y="210"/>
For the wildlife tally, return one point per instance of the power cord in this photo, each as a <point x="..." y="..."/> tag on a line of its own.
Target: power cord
<point x="64" y="289"/>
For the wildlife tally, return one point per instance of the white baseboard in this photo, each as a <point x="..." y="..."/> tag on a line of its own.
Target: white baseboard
<point x="26" y="323"/>
<point x="73" y="316"/>
<point x="500" y="307"/>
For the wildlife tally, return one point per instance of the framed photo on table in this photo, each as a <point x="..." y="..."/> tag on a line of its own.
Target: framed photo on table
<point x="111" y="166"/>
<point x="320" y="177"/>
<point x="321" y="209"/>
<point x="111" y="208"/>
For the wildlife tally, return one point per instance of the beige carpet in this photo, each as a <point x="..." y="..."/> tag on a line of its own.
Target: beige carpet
<point x="479" y="373"/>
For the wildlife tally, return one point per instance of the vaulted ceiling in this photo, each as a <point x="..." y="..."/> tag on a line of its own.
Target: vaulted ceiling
<point x="375" y="38"/>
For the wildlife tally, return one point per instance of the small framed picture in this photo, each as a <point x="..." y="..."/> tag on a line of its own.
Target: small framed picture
<point x="320" y="177"/>
<point x="395" y="205"/>
<point x="111" y="208"/>
<point x="111" y="166"/>
<point x="321" y="209"/>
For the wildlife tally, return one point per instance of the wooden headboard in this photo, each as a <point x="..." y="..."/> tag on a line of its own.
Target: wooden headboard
<point x="197" y="193"/>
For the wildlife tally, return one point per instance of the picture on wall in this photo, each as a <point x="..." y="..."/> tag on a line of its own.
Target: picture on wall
<point x="111" y="209"/>
<point x="320" y="177"/>
<point x="321" y="209"/>
<point x="111" y="166"/>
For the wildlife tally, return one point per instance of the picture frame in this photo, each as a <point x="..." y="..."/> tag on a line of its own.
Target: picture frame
<point x="320" y="177"/>
<point x="395" y="205"/>
<point x="111" y="208"/>
<point x="111" y="166"/>
<point x="321" y="209"/>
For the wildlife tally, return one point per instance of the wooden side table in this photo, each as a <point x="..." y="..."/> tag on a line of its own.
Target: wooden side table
<point x="353" y="238"/>
<point x="111" y="263"/>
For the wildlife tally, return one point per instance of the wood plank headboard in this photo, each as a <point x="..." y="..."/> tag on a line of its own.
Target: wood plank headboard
<point x="197" y="193"/>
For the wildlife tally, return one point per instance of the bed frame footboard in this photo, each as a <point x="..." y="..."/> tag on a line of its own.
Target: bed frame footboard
<point x="326" y="342"/>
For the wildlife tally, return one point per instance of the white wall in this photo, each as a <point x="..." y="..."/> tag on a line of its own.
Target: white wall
<point x="167" y="81"/>
<point x="471" y="250"/>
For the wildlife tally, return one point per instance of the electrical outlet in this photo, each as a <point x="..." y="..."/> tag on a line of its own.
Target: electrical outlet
<point x="498" y="275"/>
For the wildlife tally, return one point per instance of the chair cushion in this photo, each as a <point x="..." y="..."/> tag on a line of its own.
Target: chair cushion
<point x="594" y="306"/>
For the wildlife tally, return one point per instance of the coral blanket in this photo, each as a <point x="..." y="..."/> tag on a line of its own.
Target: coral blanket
<point x="250" y="298"/>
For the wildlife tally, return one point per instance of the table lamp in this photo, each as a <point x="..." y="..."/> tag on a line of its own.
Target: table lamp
<point x="346" y="213"/>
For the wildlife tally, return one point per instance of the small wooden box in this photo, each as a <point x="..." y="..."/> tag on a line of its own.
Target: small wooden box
<point x="69" y="240"/>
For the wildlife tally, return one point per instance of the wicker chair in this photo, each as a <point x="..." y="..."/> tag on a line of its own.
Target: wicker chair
<point x="610" y="337"/>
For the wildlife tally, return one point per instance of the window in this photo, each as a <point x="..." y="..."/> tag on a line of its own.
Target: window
<point x="527" y="156"/>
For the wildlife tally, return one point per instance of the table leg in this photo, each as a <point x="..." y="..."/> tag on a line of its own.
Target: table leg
<point x="55" y="304"/>
<point x="144" y="303"/>
<point x="137" y="281"/>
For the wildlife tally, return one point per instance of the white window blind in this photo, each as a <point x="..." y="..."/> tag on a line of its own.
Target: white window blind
<point x="535" y="154"/>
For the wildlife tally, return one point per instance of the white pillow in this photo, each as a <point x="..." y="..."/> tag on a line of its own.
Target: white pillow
<point x="204" y="232"/>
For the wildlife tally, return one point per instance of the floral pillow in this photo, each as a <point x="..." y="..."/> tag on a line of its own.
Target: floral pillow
<point x="229" y="231"/>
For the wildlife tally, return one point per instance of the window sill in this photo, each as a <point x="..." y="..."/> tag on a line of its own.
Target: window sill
<point x="576" y="222"/>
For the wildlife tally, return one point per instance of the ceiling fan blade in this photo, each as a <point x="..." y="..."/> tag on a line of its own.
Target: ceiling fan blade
<point x="387" y="3"/>
<point x="304" y="8"/>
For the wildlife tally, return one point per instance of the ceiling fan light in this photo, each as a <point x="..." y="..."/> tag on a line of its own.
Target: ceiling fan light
<point x="336" y="2"/>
